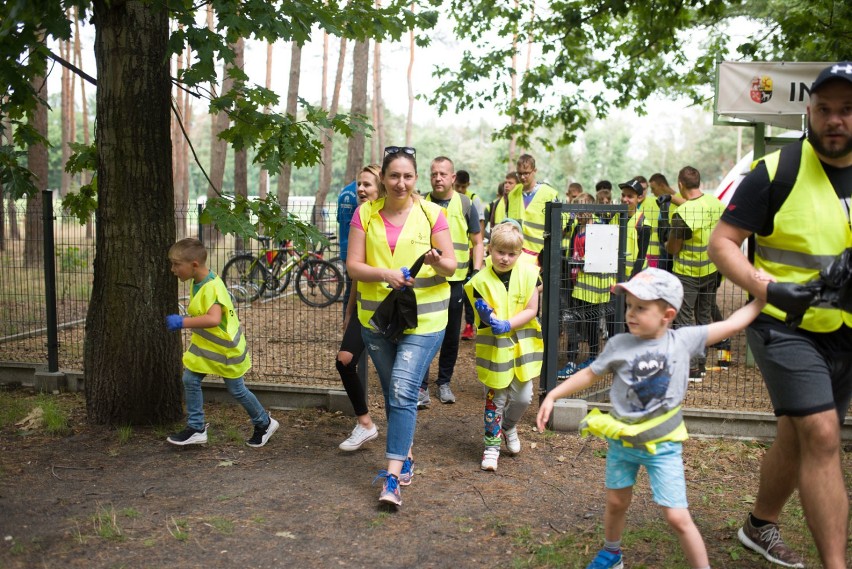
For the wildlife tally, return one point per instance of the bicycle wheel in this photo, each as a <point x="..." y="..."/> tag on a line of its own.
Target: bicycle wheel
<point x="340" y="264"/>
<point x="243" y="277"/>
<point x="319" y="283"/>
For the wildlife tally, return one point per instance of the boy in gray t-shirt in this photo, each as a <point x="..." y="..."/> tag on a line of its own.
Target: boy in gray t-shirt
<point x="650" y="367"/>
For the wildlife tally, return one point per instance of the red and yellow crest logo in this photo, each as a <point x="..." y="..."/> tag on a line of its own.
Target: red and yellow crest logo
<point x="761" y="89"/>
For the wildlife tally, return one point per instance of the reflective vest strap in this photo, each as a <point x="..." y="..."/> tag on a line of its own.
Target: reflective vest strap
<point x="794" y="258"/>
<point x="658" y="431"/>
<point x="224" y="342"/>
<point x="221" y="359"/>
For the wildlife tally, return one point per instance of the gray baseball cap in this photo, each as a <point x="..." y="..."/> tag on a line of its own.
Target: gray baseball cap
<point x="653" y="284"/>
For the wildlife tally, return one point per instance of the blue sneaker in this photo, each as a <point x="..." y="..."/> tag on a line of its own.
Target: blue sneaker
<point x="586" y="363"/>
<point x="390" y="490"/>
<point x="569" y="370"/>
<point x="407" y="474"/>
<point x="606" y="560"/>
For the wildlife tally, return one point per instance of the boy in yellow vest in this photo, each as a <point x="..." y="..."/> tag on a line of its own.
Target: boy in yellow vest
<point x="217" y="346"/>
<point x="650" y="367"/>
<point x="509" y="348"/>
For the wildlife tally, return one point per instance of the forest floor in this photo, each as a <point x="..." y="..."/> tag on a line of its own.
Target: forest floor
<point x="95" y="497"/>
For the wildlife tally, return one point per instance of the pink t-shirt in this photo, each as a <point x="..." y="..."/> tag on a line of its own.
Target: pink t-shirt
<point x="393" y="231"/>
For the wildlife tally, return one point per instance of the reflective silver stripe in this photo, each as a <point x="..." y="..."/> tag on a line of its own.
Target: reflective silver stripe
<point x="228" y="344"/>
<point x="794" y="258"/>
<point x="582" y="285"/>
<point x="499" y="342"/>
<point x="528" y="223"/>
<point x="694" y="248"/>
<point x="464" y="265"/>
<point x="691" y="263"/>
<point x="494" y="366"/>
<point x="536" y="240"/>
<point x="524" y="333"/>
<point x="529" y="358"/>
<point x="426" y="282"/>
<point x="657" y="431"/>
<point x="216" y="357"/>
<point x="461" y="246"/>
<point x="371" y="305"/>
<point x="437" y="306"/>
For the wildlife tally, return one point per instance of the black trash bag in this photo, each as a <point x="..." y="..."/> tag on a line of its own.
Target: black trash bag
<point x="832" y="288"/>
<point x="836" y="282"/>
<point x="398" y="311"/>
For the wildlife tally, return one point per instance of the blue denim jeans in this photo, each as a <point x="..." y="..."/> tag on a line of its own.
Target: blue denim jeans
<point x="400" y="368"/>
<point x="236" y="387"/>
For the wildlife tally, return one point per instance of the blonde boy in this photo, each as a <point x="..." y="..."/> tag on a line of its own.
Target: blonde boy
<point x="650" y="367"/>
<point x="509" y="347"/>
<point x="217" y="346"/>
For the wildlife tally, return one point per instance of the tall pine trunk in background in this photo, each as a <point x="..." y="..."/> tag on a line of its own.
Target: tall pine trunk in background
<point x="263" y="178"/>
<point x="409" y="121"/>
<point x="85" y="177"/>
<point x="328" y="147"/>
<point x="240" y="156"/>
<point x="360" y="65"/>
<point x="291" y="109"/>
<point x="38" y="164"/>
<point x="378" y="138"/>
<point x="132" y="373"/>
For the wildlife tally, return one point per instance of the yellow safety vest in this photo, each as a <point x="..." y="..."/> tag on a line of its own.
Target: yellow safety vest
<point x="456" y="212"/>
<point x="651" y="209"/>
<point x="531" y="218"/>
<point x="520" y="352"/>
<point x="593" y="288"/>
<point x="221" y="350"/>
<point x="636" y="220"/>
<point x="701" y="215"/>
<point x="668" y="427"/>
<point x="797" y="251"/>
<point x="430" y="289"/>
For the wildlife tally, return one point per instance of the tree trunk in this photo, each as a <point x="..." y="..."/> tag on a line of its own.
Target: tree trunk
<point x="37" y="162"/>
<point x="360" y="64"/>
<point x="263" y="179"/>
<point x="6" y="132"/>
<point x="218" y="147"/>
<point x="409" y="121"/>
<point x="66" y="104"/>
<point x="181" y="192"/>
<point x="328" y="147"/>
<point x="85" y="177"/>
<point x="292" y="100"/>
<point x="132" y="364"/>
<point x="514" y="93"/>
<point x="378" y="139"/>
<point x="240" y="156"/>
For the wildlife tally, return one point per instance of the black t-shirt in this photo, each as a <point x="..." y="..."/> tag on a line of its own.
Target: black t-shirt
<point x="753" y="206"/>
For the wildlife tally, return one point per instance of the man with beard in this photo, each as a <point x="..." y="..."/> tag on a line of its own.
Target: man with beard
<point x="796" y="202"/>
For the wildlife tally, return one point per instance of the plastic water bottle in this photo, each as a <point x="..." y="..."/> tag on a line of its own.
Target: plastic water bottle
<point x="723" y="354"/>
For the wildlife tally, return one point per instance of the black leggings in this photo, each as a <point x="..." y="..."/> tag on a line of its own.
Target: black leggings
<point x="354" y="344"/>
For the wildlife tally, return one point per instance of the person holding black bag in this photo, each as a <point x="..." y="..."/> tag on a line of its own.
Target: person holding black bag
<point x="386" y="238"/>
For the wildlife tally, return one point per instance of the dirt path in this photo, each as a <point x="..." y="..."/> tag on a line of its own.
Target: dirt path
<point x="88" y="500"/>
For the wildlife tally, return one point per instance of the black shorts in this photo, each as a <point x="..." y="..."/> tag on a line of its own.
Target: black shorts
<point x="805" y="373"/>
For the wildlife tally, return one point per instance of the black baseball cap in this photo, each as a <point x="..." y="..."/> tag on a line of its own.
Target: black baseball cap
<point x="839" y="70"/>
<point x="633" y="185"/>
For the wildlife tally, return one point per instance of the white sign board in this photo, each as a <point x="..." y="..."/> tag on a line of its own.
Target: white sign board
<point x="601" y="248"/>
<point x="775" y="93"/>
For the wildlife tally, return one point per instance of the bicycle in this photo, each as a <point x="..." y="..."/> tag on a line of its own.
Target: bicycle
<point x="247" y="277"/>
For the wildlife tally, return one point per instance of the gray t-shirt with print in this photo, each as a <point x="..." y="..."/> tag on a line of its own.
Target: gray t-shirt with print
<point x="649" y="375"/>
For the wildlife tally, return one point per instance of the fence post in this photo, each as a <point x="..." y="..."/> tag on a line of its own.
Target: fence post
<point x="50" y="282"/>
<point x="200" y="226"/>
<point x="551" y="263"/>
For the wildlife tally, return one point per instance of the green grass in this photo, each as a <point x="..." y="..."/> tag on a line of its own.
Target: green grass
<point x="124" y="432"/>
<point x="12" y="409"/>
<point x="222" y="525"/>
<point x="179" y="529"/>
<point x="105" y="523"/>
<point x="379" y="520"/>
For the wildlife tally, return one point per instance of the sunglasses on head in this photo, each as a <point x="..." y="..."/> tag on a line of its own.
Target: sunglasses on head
<point x="397" y="149"/>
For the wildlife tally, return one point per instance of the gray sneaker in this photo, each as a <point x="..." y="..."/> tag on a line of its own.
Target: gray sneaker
<point x="423" y="399"/>
<point x="767" y="541"/>
<point x="445" y="394"/>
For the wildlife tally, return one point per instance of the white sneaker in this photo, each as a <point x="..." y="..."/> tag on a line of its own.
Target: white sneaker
<point x="513" y="443"/>
<point x="489" y="458"/>
<point x="359" y="436"/>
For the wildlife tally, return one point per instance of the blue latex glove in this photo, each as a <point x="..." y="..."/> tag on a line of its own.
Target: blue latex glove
<point x="483" y="310"/>
<point x="406" y="274"/>
<point x="174" y="322"/>
<point x="499" y="326"/>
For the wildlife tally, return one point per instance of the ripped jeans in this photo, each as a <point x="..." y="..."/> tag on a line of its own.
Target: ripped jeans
<point x="401" y="367"/>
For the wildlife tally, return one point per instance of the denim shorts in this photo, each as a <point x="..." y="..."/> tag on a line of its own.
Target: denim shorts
<point x="665" y="471"/>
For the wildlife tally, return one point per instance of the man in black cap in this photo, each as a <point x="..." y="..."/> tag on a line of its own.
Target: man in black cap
<point x="796" y="202"/>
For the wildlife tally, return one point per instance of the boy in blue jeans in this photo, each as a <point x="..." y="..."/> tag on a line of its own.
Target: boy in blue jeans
<point x="217" y="346"/>
<point x="650" y="367"/>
